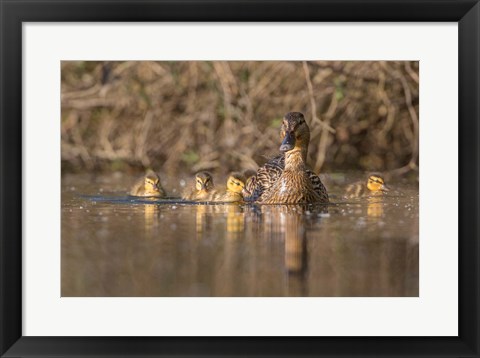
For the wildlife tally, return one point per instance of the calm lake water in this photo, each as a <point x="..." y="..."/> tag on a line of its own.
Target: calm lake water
<point x="115" y="245"/>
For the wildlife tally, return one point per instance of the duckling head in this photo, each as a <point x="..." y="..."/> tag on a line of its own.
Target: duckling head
<point x="236" y="182"/>
<point x="376" y="183"/>
<point x="295" y="133"/>
<point x="152" y="183"/>
<point x="203" y="181"/>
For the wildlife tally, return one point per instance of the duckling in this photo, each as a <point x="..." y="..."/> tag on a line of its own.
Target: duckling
<point x="202" y="189"/>
<point x="233" y="193"/>
<point x="286" y="179"/>
<point x="375" y="185"/>
<point x="148" y="186"/>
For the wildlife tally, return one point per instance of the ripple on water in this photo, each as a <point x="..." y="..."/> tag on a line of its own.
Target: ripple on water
<point x="116" y="245"/>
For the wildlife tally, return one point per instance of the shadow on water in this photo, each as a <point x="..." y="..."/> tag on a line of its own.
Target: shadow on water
<point x="115" y="245"/>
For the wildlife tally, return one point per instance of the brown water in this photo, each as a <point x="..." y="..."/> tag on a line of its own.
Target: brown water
<point x="114" y="245"/>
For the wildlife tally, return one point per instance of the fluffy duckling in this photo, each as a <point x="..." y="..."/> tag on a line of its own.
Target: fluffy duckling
<point x="375" y="185"/>
<point x="286" y="179"/>
<point x="233" y="193"/>
<point x="203" y="188"/>
<point x="148" y="186"/>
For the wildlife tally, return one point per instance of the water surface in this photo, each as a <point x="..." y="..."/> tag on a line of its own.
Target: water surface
<point x="115" y="245"/>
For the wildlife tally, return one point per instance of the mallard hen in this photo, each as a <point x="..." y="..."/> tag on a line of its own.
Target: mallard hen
<point x="286" y="179"/>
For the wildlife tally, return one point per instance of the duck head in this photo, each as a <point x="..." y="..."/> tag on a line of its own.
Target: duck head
<point x="376" y="183"/>
<point x="295" y="133"/>
<point x="236" y="182"/>
<point x="203" y="181"/>
<point x="152" y="183"/>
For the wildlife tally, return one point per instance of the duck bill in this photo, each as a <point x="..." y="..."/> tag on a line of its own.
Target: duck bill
<point x="384" y="188"/>
<point x="288" y="142"/>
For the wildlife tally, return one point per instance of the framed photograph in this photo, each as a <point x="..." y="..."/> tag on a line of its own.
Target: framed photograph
<point x="239" y="178"/>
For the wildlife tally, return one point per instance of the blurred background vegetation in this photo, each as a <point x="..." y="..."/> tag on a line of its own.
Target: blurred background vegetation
<point x="182" y="117"/>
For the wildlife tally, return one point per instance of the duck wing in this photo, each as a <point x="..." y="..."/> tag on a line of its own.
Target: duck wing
<point x="269" y="174"/>
<point x="318" y="186"/>
<point x="266" y="176"/>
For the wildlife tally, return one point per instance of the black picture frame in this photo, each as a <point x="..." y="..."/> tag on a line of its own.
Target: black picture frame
<point x="15" y="12"/>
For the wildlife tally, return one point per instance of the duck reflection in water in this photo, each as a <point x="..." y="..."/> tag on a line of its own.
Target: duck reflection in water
<point x="290" y="223"/>
<point x="203" y="219"/>
<point x="375" y="206"/>
<point x="235" y="220"/>
<point x="287" y="223"/>
<point x="151" y="213"/>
